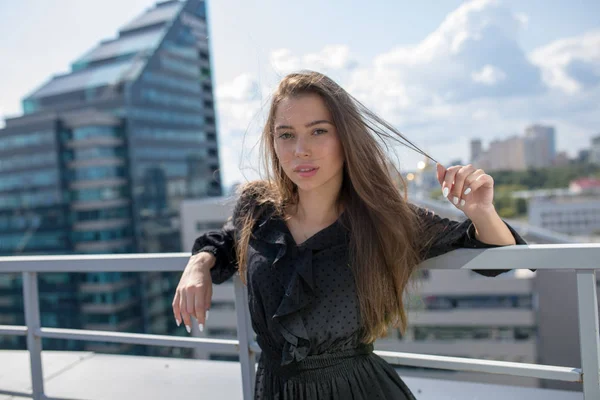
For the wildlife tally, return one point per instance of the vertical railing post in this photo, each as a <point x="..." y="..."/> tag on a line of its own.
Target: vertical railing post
<point x="34" y="341"/>
<point x="244" y="333"/>
<point x="588" y="333"/>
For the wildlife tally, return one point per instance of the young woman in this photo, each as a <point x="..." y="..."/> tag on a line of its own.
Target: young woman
<point x="327" y="244"/>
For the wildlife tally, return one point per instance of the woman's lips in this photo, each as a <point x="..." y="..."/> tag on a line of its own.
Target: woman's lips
<point x="306" y="174"/>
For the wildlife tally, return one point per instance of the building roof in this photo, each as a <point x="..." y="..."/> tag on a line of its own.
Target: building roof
<point x="88" y="375"/>
<point x="122" y="46"/>
<point x="586" y="183"/>
<point x="161" y="13"/>
<point x="103" y="75"/>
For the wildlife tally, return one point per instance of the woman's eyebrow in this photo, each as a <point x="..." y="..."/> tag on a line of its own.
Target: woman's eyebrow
<point x="320" y="121"/>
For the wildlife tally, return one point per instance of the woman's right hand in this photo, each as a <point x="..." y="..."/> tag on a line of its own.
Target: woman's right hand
<point x="194" y="292"/>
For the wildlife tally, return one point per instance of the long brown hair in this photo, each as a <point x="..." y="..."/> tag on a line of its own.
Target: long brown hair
<point x="384" y="248"/>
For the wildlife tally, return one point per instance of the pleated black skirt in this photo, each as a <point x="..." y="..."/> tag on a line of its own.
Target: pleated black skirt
<point x="354" y="374"/>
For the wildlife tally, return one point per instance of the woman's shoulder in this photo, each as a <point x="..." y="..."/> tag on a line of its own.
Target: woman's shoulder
<point x="253" y="191"/>
<point x="253" y="196"/>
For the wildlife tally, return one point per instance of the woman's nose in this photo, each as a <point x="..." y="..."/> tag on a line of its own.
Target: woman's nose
<point x="302" y="148"/>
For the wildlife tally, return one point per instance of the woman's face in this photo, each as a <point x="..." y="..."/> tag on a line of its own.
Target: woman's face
<point x="305" y="137"/>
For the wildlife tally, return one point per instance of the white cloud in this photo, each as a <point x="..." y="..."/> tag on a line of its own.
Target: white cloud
<point x="489" y="75"/>
<point x="572" y="64"/>
<point x="240" y="105"/>
<point x="331" y="58"/>
<point x="243" y="88"/>
<point x="475" y="44"/>
<point x="523" y="19"/>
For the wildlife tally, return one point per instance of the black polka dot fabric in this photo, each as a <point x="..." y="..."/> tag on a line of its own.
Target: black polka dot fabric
<point x="305" y="310"/>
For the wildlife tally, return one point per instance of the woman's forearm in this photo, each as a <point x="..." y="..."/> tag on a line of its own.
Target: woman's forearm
<point x="203" y="259"/>
<point x="489" y="228"/>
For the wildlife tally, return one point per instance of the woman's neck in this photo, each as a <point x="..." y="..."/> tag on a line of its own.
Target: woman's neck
<point x="318" y="206"/>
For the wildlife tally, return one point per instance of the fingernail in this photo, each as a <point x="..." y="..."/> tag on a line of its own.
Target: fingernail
<point x="188" y="329"/>
<point x="201" y="326"/>
<point x="455" y="200"/>
<point x="178" y="322"/>
<point x="206" y="318"/>
<point x="468" y="191"/>
<point x="462" y="202"/>
<point x="446" y="191"/>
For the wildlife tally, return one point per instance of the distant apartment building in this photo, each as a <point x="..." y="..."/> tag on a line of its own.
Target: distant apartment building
<point x="540" y="146"/>
<point x="476" y="149"/>
<point x="595" y="150"/>
<point x="572" y="215"/>
<point x="577" y="188"/>
<point x="562" y="158"/>
<point x="583" y="186"/>
<point x="100" y="162"/>
<point x="507" y="154"/>
<point x="583" y="156"/>
<point x="536" y="149"/>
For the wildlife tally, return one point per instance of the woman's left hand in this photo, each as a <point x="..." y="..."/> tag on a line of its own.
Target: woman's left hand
<point x="470" y="190"/>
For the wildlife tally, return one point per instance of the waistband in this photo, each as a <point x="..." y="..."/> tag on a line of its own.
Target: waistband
<point x="322" y="366"/>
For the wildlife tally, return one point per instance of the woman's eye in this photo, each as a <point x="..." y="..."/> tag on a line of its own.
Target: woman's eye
<point x="288" y="135"/>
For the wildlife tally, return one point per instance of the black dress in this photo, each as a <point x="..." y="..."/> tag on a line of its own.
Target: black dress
<point x="304" y="308"/>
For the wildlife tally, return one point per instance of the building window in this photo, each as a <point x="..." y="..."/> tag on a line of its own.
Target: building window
<point x="222" y="333"/>
<point x="203" y="226"/>
<point x="23" y="180"/>
<point x="39" y="240"/>
<point x="102" y="235"/>
<point x="29" y="199"/>
<point x="167" y="99"/>
<point x="87" y="132"/>
<point x="171" y="134"/>
<point x="160" y="79"/>
<point x="107" y="193"/>
<point x="21" y="161"/>
<point x="484" y="302"/>
<point x="161" y="169"/>
<point x="494" y="333"/>
<point x="186" y="68"/>
<point x="92" y="173"/>
<point x="163" y="153"/>
<point x="27" y="140"/>
<point x="171" y="117"/>
<point x="93" y="153"/>
<point x="225" y="357"/>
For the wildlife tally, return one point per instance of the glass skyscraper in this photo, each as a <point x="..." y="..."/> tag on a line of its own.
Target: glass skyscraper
<point x="99" y="163"/>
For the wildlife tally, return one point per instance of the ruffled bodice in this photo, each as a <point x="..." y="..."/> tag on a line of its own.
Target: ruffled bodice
<point x="303" y="290"/>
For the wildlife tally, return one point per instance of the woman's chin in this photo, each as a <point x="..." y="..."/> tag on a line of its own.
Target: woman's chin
<point x="306" y="186"/>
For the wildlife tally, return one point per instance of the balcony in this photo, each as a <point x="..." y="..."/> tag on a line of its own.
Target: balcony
<point x="86" y="375"/>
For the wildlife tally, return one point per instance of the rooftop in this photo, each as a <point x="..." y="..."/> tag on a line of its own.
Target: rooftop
<point x="161" y="13"/>
<point x="108" y="74"/>
<point x="90" y="376"/>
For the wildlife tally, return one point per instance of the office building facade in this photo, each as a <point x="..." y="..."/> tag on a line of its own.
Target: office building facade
<point x="99" y="163"/>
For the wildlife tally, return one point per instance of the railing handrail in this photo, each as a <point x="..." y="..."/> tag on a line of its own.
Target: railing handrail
<point x="537" y="256"/>
<point x="583" y="257"/>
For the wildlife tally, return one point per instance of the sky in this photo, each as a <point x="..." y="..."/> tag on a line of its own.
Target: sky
<point x="441" y="71"/>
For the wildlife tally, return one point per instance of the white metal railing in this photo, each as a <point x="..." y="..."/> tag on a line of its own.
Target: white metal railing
<point x="583" y="258"/>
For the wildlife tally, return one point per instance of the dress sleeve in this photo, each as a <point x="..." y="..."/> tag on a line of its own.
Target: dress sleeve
<point x="221" y="244"/>
<point x="442" y="235"/>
